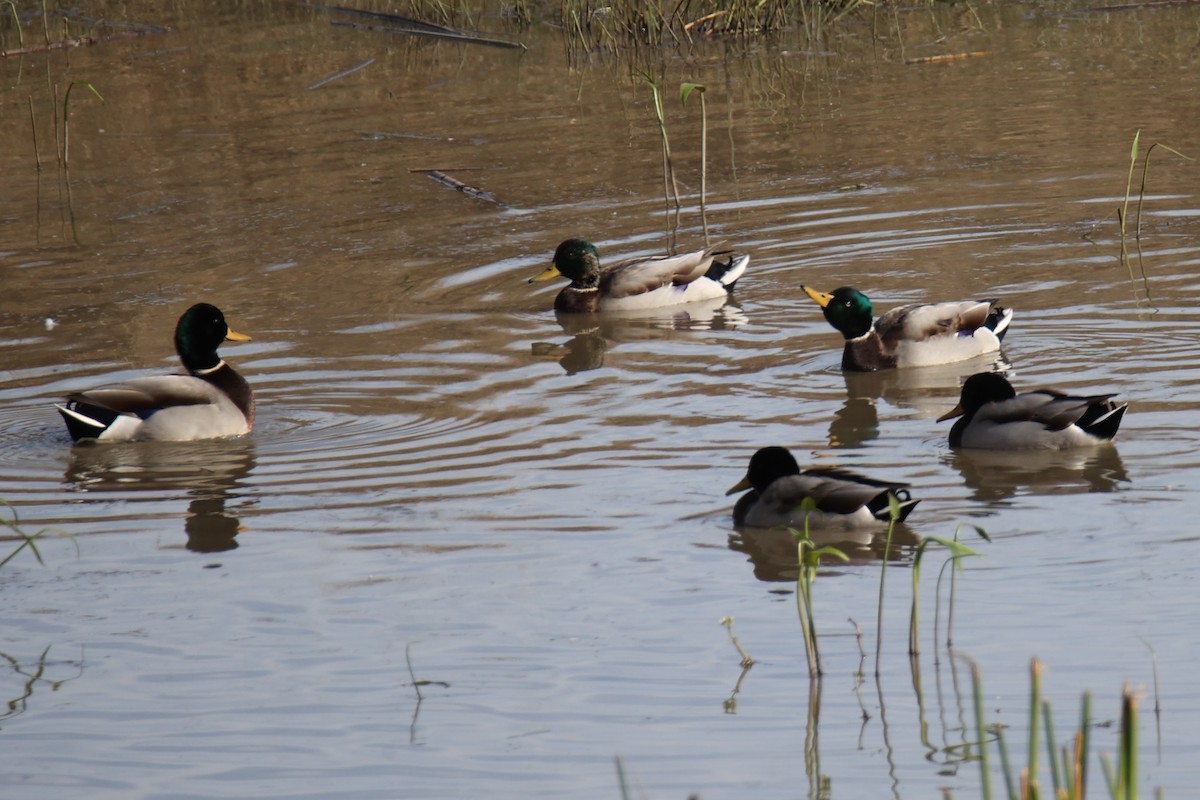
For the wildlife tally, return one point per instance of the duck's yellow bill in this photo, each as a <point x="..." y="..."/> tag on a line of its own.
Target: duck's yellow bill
<point x="546" y="274"/>
<point x="821" y="298"/>
<point x="233" y="336"/>
<point x="957" y="411"/>
<point x="741" y="486"/>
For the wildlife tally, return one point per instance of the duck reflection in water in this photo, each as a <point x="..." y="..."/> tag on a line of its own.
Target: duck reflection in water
<point x="997" y="475"/>
<point x="210" y="527"/>
<point x="852" y="513"/>
<point x="772" y="551"/>
<point x="854" y="424"/>
<point x="592" y="334"/>
<point x="926" y="390"/>
<point x="208" y="474"/>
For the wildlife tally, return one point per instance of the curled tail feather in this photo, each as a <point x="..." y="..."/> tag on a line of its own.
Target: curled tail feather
<point x="727" y="267"/>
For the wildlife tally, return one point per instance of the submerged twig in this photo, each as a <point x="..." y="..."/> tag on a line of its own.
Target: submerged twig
<point x="947" y="57"/>
<point x="457" y="185"/>
<point x="81" y="41"/>
<point x="342" y="74"/>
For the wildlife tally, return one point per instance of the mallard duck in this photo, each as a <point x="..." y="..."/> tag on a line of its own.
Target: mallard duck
<point x="995" y="417"/>
<point x="640" y="282"/>
<point x="916" y="335"/>
<point x="843" y="498"/>
<point x="211" y="401"/>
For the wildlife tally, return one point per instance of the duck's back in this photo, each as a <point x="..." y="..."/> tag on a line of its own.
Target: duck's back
<point x="839" y="503"/>
<point x="921" y="321"/>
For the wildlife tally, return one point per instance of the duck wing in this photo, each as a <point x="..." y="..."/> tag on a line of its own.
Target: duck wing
<point x="143" y="396"/>
<point x="1053" y="410"/>
<point x="638" y="276"/>
<point x="921" y="321"/>
<point x="833" y="491"/>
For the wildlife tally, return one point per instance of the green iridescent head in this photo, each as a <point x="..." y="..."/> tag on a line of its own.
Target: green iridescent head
<point x="846" y="309"/>
<point x="199" y="333"/>
<point x="575" y="259"/>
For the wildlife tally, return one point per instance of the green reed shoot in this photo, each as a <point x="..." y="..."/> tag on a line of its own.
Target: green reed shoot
<point x="17" y="21"/>
<point x="953" y="575"/>
<point x="1129" y="704"/>
<point x="1035" y="702"/>
<point x="626" y="794"/>
<point x="747" y="661"/>
<point x="894" y="511"/>
<point x="958" y="551"/>
<point x="1134" y="152"/>
<point x="985" y="772"/>
<point x="685" y="91"/>
<point x="1126" y="776"/>
<point x="1056" y="774"/>
<point x="1005" y="764"/>
<point x="28" y="540"/>
<point x="1068" y="776"/>
<point x="808" y="558"/>
<point x="730" y="703"/>
<point x="66" y="116"/>
<point x="37" y="156"/>
<point x="670" y="188"/>
<point x="1078" y="755"/>
<point x="1123" y="212"/>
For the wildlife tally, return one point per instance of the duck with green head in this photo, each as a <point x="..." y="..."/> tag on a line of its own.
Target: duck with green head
<point x="211" y="401"/>
<point x="916" y="335"/>
<point x="639" y="283"/>
<point x="994" y="417"/>
<point x="843" y="499"/>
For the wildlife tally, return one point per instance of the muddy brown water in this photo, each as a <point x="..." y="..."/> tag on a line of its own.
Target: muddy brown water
<point x="532" y="513"/>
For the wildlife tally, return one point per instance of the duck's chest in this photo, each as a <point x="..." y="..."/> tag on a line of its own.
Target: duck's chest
<point x="575" y="300"/>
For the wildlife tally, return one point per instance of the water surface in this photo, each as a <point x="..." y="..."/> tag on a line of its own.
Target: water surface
<point x="446" y="482"/>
